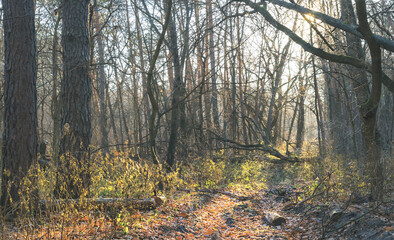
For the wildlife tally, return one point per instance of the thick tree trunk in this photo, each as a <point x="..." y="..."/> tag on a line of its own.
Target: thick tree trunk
<point x="20" y="98"/>
<point x="367" y="100"/>
<point x="73" y="177"/>
<point x="369" y="108"/>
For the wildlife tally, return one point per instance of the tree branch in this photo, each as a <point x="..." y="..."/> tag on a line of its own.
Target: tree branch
<point x="389" y="83"/>
<point x="268" y="149"/>
<point x="382" y="41"/>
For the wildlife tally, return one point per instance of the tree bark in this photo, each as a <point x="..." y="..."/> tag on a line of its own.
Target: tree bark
<point x="73" y="176"/>
<point x="370" y="107"/>
<point x="102" y="83"/>
<point x="178" y="92"/>
<point x="20" y="99"/>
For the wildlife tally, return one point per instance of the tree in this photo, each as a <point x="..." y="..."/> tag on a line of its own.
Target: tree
<point x="20" y="115"/>
<point x="368" y="102"/>
<point x="213" y="65"/>
<point x="177" y="103"/>
<point x="101" y="82"/>
<point x="73" y="177"/>
<point x="55" y="104"/>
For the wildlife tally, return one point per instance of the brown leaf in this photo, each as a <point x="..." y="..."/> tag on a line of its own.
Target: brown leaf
<point x="209" y="232"/>
<point x="183" y="214"/>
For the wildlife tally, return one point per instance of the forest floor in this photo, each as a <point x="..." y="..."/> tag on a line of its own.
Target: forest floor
<point x="224" y="213"/>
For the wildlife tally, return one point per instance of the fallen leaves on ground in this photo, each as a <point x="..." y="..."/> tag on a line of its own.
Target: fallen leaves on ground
<point x="221" y="214"/>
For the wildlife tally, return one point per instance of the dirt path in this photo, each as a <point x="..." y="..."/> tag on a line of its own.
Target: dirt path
<point x="221" y="214"/>
<point x="217" y="215"/>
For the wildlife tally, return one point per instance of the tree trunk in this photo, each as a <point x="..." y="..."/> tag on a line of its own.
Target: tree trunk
<point x="102" y="83"/>
<point x="367" y="100"/>
<point x="212" y="59"/>
<point x="369" y="108"/>
<point x="151" y="84"/>
<point x="233" y="117"/>
<point x="20" y="99"/>
<point x="178" y="92"/>
<point x="301" y="116"/>
<point x="73" y="176"/>
<point x="142" y="67"/>
<point x="55" y="104"/>
<point x="318" y="112"/>
<point x="112" y="118"/>
<point x="275" y="88"/>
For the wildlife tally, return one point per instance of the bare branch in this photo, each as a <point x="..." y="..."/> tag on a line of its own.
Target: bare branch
<point x="358" y="63"/>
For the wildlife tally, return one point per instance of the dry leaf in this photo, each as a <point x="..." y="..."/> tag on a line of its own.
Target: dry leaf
<point x="183" y="214"/>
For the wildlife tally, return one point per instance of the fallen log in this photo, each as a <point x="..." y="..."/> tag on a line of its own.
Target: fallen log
<point x="274" y="219"/>
<point x="105" y="203"/>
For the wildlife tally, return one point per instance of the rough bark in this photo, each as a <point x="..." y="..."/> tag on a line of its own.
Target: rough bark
<point x="73" y="176"/>
<point x="20" y="98"/>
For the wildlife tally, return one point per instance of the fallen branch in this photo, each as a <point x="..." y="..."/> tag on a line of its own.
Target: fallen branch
<point x="264" y="148"/>
<point x="140" y="204"/>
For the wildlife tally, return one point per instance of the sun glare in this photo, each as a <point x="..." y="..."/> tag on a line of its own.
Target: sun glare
<point x="309" y="17"/>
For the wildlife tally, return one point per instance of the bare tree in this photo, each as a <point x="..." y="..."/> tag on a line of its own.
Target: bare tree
<point x="368" y="102"/>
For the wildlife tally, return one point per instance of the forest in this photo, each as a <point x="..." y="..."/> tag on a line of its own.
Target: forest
<point x="197" y="119"/>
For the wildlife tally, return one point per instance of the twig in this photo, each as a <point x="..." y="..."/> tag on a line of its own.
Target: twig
<point x="309" y="198"/>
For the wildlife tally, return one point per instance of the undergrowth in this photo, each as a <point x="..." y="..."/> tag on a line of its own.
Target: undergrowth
<point x="124" y="175"/>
